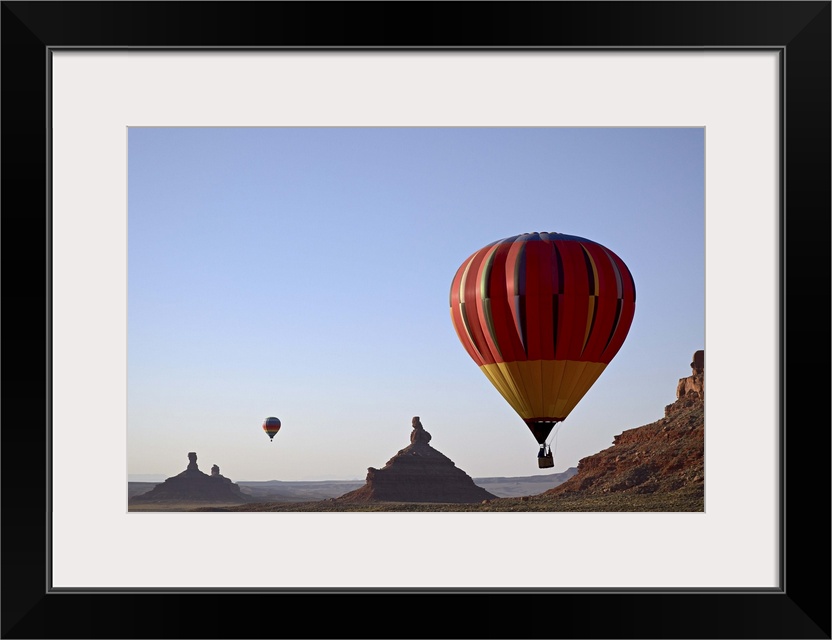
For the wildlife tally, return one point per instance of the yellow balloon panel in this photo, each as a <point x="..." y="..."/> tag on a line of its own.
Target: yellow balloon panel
<point x="543" y="388"/>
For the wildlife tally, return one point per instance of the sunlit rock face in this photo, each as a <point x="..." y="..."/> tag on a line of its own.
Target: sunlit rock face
<point x="192" y="485"/>
<point x="418" y="473"/>
<point x="690" y="390"/>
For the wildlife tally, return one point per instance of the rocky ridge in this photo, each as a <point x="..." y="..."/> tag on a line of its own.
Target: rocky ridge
<point x="661" y="457"/>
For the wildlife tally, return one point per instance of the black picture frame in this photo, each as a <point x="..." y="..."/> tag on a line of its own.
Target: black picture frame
<point x="799" y="31"/>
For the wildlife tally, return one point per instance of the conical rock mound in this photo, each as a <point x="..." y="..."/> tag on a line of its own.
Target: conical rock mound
<point x="192" y="485"/>
<point x="418" y="473"/>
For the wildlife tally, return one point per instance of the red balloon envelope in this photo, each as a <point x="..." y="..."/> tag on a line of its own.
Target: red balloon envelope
<point x="542" y="315"/>
<point x="271" y="426"/>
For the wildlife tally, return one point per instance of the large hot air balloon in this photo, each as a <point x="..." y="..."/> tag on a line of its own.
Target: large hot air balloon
<point x="542" y="315"/>
<point x="271" y="426"/>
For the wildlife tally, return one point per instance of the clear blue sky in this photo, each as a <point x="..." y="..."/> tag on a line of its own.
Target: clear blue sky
<point x="304" y="273"/>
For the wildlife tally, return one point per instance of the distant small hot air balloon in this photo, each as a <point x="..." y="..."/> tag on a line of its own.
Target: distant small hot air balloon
<point x="271" y="426"/>
<point x="542" y="315"/>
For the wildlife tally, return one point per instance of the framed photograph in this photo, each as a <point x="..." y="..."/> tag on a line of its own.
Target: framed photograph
<point x="100" y="100"/>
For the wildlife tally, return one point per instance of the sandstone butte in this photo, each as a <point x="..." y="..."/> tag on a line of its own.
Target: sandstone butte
<point x="193" y="486"/>
<point x="418" y="473"/>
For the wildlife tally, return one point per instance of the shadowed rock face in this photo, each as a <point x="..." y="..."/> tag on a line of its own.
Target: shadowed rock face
<point x="192" y="485"/>
<point x="418" y="473"/>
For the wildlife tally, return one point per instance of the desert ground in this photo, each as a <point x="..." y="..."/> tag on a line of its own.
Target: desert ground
<point x="310" y="493"/>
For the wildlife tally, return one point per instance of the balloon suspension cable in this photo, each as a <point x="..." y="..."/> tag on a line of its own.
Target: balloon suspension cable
<point x="551" y="443"/>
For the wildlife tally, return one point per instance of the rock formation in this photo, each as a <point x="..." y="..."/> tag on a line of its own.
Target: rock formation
<point x="691" y="389"/>
<point x="418" y="434"/>
<point x="418" y="473"/>
<point x="192" y="485"/>
<point x="664" y="456"/>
